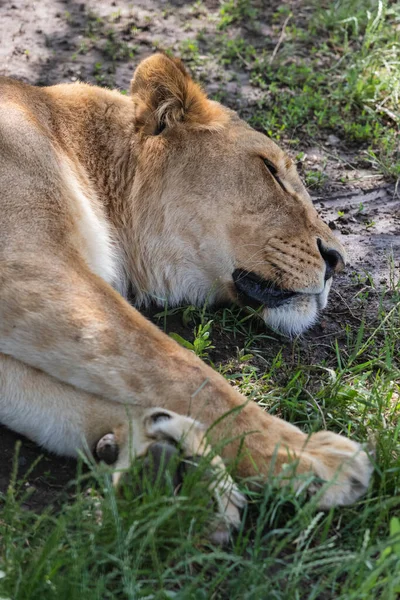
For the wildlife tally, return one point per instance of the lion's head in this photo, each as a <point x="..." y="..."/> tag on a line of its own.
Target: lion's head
<point x="219" y="211"/>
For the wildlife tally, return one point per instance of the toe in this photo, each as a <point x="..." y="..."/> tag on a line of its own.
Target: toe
<point x="343" y="465"/>
<point x="107" y="449"/>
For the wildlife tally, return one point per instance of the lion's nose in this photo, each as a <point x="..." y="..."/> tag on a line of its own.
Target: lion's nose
<point x="334" y="261"/>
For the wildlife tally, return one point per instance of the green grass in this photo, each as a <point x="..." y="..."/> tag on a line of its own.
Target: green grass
<point x="235" y="11"/>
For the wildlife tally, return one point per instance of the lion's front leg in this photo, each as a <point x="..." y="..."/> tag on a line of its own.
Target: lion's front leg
<point x="70" y="324"/>
<point x="66" y="420"/>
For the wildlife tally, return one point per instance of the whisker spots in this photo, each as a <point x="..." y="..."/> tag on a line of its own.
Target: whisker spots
<point x="301" y="255"/>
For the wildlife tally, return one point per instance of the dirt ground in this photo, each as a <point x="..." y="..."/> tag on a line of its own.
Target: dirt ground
<point x="51" y="41"/>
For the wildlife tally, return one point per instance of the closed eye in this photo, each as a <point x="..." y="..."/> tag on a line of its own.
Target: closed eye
<point x="274" y="172"/>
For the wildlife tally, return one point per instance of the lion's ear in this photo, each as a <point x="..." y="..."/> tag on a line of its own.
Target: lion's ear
<point x="164" y="95"/>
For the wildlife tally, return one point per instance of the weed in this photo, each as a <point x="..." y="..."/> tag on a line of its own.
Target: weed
<point x="201" y="344"/>
<point x="83" y="49"/>
<point x="115" y="49"/>
<point x="95" y="25"/>
<point x="189" y="50"/>
<point x="235" y="11"/>
<point x="236" y="50"/>
<point x="315" y="179"/>
<point x="103" y="75"/>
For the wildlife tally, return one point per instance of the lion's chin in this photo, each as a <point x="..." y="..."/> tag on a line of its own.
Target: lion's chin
<point x="298" y="314"/>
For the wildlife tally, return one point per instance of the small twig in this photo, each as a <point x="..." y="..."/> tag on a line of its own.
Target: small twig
<point x="244" y="61"/>
<point x="396" y="189"/>
<point x="281" y="38"/>
<point x="387" y="112"/>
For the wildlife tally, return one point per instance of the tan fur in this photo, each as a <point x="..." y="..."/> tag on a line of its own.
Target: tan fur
<point x="166" y="192"/>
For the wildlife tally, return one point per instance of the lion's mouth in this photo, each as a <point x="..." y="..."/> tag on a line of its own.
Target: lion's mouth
<point x="255" y="291"/>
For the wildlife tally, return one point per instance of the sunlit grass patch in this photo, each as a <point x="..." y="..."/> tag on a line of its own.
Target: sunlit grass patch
<point x="337" y="69"/>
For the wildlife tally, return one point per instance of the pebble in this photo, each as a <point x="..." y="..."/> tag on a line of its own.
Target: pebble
<point x="332" y="140"/>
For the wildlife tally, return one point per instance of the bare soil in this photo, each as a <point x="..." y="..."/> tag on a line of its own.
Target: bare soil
<point x="52" y="41"/>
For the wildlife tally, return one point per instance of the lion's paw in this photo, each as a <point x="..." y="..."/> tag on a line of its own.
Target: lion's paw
<point x="189" y="434"/>
<point x="343" y="464"/>
<point x="159" y="428"/>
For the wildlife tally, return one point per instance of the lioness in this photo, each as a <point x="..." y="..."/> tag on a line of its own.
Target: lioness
<point x="172" y="197"/>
